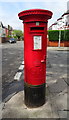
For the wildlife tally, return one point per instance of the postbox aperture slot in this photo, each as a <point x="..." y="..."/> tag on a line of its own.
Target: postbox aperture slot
<point x="37" y="42"/>
<point x="37" y="28"/>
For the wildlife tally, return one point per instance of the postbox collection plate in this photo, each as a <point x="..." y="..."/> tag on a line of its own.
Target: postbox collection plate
<point x="37" y="42"/>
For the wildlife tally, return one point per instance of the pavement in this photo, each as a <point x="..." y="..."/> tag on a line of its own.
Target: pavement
<point x="59" y="48"/>
<point x="56" y="92"/>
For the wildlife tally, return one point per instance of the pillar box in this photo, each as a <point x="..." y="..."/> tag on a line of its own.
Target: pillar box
<point x="35" y="45"/>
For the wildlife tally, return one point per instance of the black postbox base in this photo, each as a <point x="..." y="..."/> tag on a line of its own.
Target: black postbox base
<point x="34" y="96"/>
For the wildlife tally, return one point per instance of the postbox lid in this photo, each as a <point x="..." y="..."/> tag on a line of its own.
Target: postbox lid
<point x="38" y="14"/>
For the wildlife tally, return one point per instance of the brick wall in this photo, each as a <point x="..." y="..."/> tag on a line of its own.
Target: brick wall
<point x="55" y="44"/>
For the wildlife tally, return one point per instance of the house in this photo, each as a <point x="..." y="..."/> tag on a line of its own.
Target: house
<point x="1" y="29"/>
<point x="65" y="17"/>
<point x="5" y="32"/>
<point x="10" y="30"/>
<point x="61" y="23"/>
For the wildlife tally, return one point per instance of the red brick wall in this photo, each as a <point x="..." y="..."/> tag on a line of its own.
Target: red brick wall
<point x="55" y="44"/>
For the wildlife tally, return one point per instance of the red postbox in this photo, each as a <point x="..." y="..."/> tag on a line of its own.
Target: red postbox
<point x="35" y="45"/>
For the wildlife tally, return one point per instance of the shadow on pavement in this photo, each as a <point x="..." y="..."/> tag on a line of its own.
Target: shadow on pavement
<point x="12" y="89"/>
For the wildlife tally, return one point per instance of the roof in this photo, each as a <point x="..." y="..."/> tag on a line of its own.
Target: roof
<point x="66" y="13"/>
<point x="59" y="18"/>
<point x="1" y="24"/>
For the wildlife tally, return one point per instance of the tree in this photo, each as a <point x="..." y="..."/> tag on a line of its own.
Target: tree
<point x="18" y="34"/>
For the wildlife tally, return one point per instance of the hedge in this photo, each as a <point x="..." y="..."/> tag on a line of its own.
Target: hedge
<point x="54" y="35"/>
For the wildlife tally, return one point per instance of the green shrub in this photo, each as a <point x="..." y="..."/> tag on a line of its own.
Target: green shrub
<point x="66" y="35"/>
<point x="54" y="35"/>
<point x="9" y="36"/>
<point x="15" y="37"/>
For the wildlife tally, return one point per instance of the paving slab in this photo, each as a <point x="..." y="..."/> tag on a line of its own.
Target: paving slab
<point x="56" y="85"/>
<point x="15" y="108"/>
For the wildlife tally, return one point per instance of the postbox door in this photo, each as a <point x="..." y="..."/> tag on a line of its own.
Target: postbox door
<point x="35" y="54"/>
<point x="38" y="69"/>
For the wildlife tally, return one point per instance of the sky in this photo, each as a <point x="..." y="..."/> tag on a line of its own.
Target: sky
<point x="9" y="10"/>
